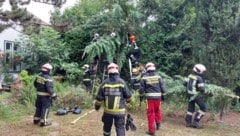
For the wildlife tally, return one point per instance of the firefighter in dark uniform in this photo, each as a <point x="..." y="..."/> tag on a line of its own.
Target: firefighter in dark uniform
<point x="195" y="86"/>
<point x="45" y="94"/>
<point x="135" y="52"/>
<point x="87" y="81"/>
<point x="152" y="86"/>
<point x="135" y="79"/>
<point x="113" y="93"/>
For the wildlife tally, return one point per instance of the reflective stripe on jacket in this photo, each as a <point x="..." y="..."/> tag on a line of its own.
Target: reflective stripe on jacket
<point x="113" y="93"/>
<point x="195" y="84"/>
<point x="44" y="85"/>
<point x="152" y="85"/>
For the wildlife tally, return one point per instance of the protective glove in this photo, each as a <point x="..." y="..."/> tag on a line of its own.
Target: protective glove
<point x="162" y="98"/>
<point x="130" y="124"/>
<point x="54" y="96"/>
<point x="210" y="94"/>
<point x="97" y="107"/>
<point x="141" y="98"/>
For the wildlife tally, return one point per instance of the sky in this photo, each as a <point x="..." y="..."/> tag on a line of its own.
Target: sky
<point x="40" y="10"/>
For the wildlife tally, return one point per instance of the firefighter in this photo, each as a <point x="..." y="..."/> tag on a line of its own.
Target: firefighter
<point x="195" y="86"/>
<point x="152" y="86"/>
<point x="87" y="81"/>
<point x="135" y="52"/>
<point x="45" y="94"/>
<point x="113" y="93"/>
<point x="135" y="79"/>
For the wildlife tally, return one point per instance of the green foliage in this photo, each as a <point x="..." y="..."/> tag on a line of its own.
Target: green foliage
<point x="173" y="34"/>
<point x="104" y="45"/>
<point x="8" y="78"/>
<point x="15" y="14"/>
<point x="216" y="40"/>
<point x="73" y="72"/>
<point x="176" y="95"/>
<point x="10" y="109"/>
<point x="218" y="99"/>
<point x="11" y="113"/>
<point x="221" y="99"/>
<point x="165" y="38"/>
<point x="44" y="47"/>
<point x="28" y="94"/>
<point x="134" y="105"/>
<point x="74" y="96"/>
<point x="24" y="77"/>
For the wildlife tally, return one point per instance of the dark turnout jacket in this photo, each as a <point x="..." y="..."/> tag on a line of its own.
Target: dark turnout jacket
<point x="194" y="84"/>
<point x="114" y="93"/>
<point x="44" y="84"/>
<point x="152" y="85"/>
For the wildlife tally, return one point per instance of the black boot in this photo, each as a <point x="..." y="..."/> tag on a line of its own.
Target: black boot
<point x="44" y="124"/>
<point x="158" y="126"/>
<point x="188" y="120"/>
<point x="196" y="125"/>
<point x="150" y="134"/>
<point x="35" y="122"/>
<point x="189" y="125"/>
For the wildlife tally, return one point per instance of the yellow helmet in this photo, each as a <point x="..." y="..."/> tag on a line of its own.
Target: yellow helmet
<point x="135" y="71"/>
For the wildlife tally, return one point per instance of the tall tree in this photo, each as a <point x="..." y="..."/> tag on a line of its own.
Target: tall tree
<point x="165" y="35"/>
<point x="103" y="17"/>
<point x="216" y="40"/>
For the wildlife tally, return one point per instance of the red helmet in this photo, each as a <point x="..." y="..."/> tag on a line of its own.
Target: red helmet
<point x="112" y="68"/>
<point x="132" y="38"/>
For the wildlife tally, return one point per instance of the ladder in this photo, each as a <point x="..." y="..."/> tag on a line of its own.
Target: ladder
<point x="130" y="67"/>
<point x="105" y="73"/>
<point x="93" y="76"/>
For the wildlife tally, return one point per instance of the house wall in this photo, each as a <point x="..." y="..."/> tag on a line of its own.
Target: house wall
<point x="8" y="34"/>
<point x="8" y="44"/>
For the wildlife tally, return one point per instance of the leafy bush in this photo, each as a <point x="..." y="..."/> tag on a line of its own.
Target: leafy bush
<point x="73" y="72"/>
<point x="24" y="77"/>
<point x="73" y="96"/>
<point x="28" y="94"/>
<point x="10" y="109"/>
<point x="219" y="98"/>
<point x="134" y="105"/>
<point x="175" y="96"/>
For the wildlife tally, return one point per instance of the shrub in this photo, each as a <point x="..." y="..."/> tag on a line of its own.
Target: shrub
<point x="25" y="78"/>
<point x="27" y="94"/>
<point x="134" y="105"/>
<point x="73" y="96"/>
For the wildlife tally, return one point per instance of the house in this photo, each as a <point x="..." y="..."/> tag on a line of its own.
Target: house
<point x="9" y="47"/>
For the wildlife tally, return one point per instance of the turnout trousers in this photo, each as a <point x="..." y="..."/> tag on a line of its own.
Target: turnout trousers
<point x="42" y="104"/>
<point x="191" y="109"/>
<point x="119" y="122"/>
<point x="154" y="115"/>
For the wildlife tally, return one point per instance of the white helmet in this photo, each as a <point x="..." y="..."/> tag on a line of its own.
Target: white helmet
<point x="85" y="66"/>
<point x="199" y="68"/>
<point x="96" y="35"/>
<point x="112" y="68"/>
<point x="150" y="66"/>
<point x="113" y="34"/>
<point x="46" y="67"/>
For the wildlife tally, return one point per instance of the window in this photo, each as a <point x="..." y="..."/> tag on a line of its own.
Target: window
<point x="12" y="59"/>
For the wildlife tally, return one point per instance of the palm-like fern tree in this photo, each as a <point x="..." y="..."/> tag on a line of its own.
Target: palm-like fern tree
<point x="111" y="48"/>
